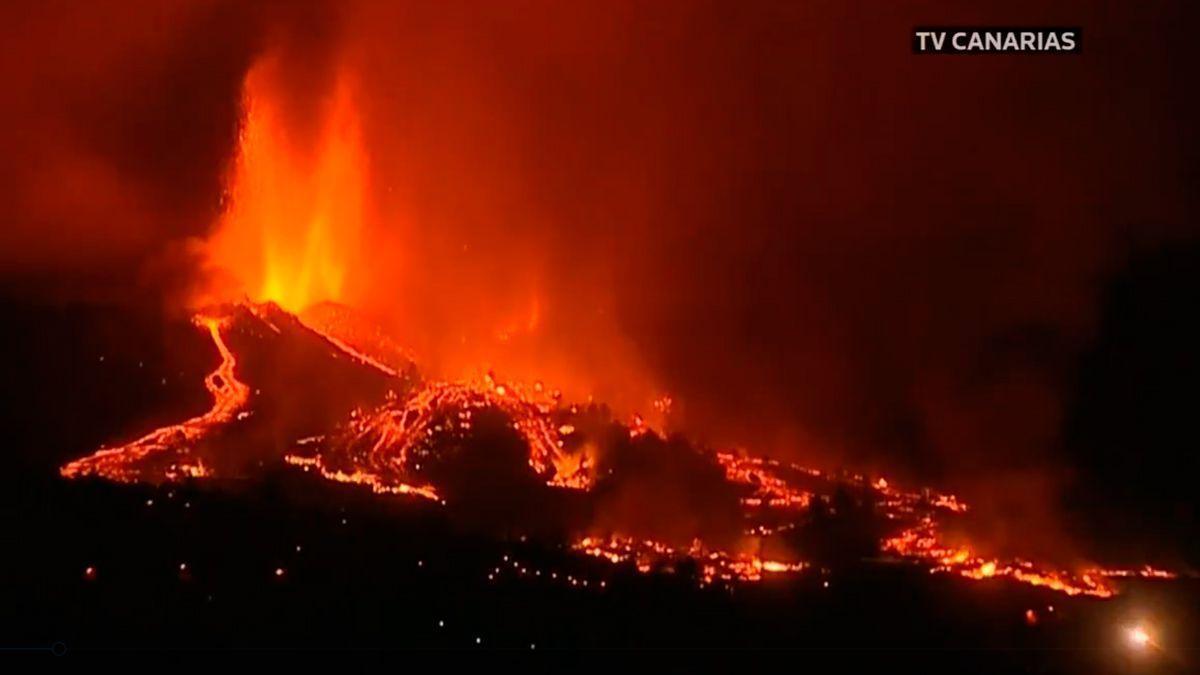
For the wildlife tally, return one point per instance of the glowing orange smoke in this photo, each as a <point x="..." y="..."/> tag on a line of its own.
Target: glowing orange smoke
<point x="291" y="230"/>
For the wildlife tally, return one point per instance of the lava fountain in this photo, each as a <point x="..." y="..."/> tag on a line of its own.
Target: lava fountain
<point x="295" y="206"/>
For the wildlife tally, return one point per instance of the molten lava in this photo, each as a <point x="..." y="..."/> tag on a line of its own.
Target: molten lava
<point x="385" y="448"/>
<point x="166" y="454"/>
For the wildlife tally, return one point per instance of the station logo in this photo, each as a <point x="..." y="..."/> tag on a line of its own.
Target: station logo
<point x="995" y="40"/>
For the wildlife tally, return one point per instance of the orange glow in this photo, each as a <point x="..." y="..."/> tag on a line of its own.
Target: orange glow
<point x="1139" y="637"/>
<point x="292" y="226"/>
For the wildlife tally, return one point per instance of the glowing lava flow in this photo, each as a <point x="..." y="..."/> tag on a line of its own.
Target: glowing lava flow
<point x="922" y="542"/>
<point x="386" y="448"/>
<point x="770" y="490"/>
<point x="712" y="565"/>
<point x="166" y="454"/>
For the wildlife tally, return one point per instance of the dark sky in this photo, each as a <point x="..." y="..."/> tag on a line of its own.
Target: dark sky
<point x="820" y="243"/>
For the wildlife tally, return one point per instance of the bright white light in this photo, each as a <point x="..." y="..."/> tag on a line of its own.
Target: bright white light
<point x="1138" y="637"/>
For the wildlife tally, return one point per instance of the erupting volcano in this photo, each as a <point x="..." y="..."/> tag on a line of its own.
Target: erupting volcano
<point x="331" y="393"/>
<point x="598" y="325"/>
